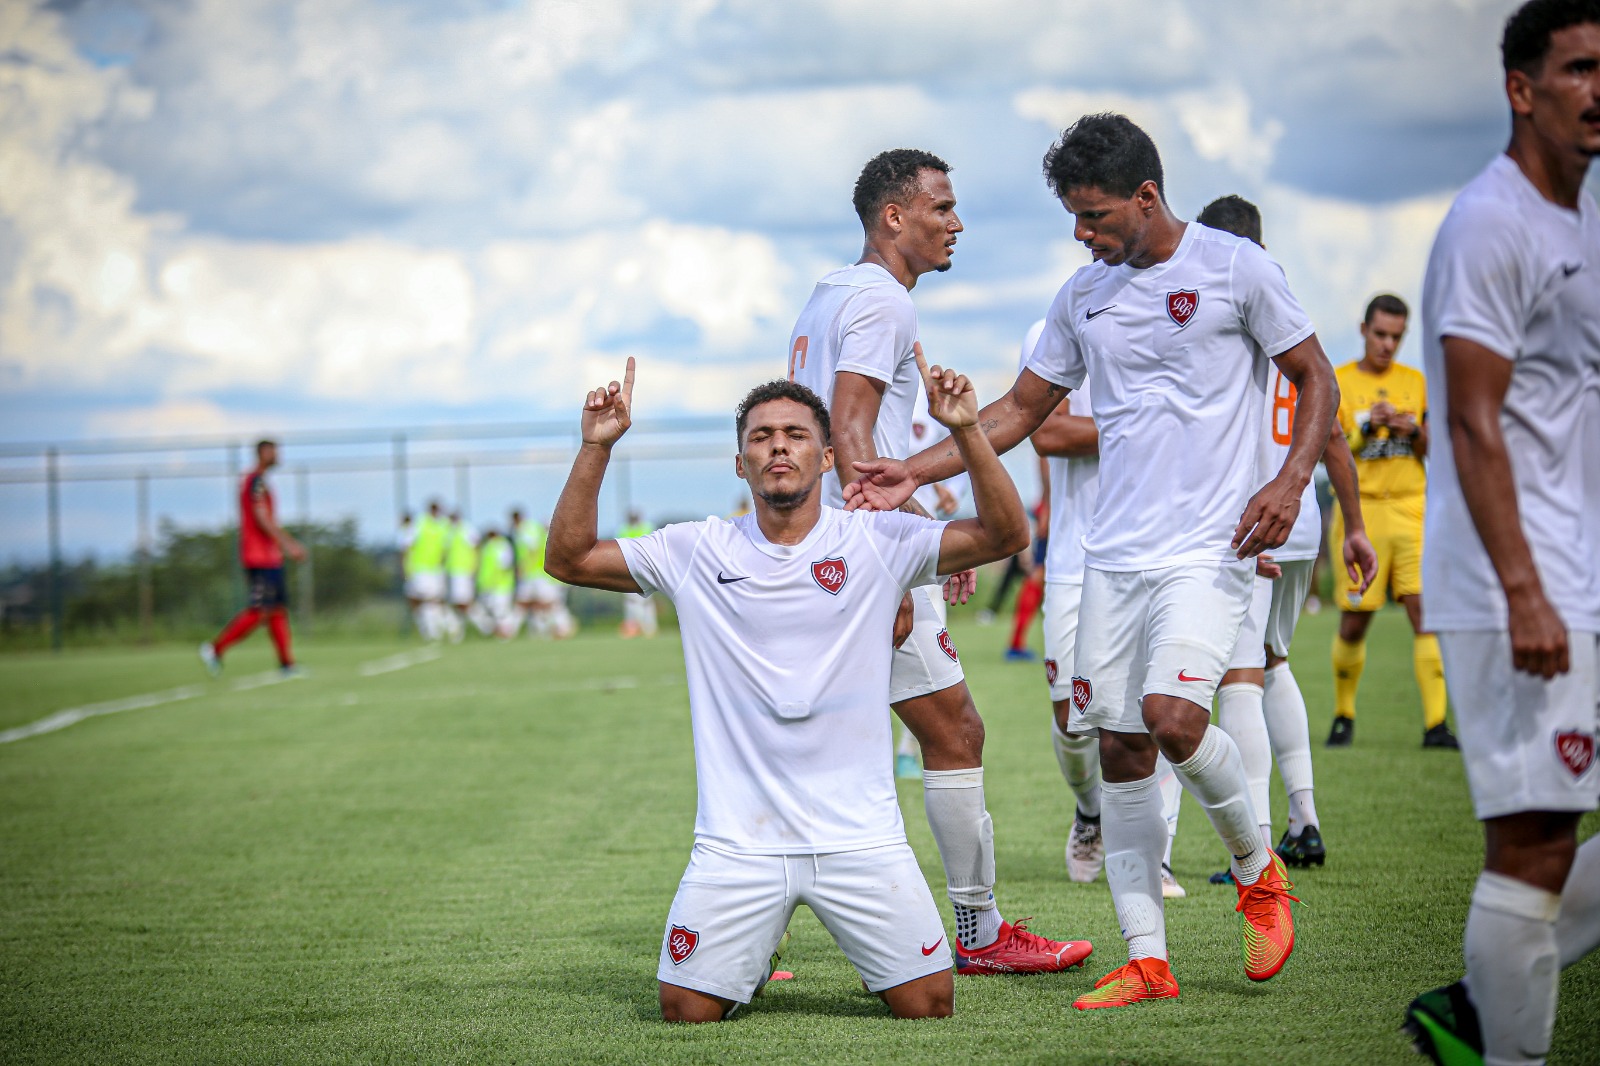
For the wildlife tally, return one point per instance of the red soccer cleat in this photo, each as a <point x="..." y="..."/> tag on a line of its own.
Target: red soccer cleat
<point x="1019" y="951"/>
<point x="1133" y="982"/>
<point x="1266" y="921"/>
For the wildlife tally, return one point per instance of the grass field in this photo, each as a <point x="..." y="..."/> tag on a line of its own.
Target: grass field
<point x="469" y="860"/>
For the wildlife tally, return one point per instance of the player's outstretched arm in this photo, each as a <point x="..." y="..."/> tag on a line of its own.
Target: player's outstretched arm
<point x="884" y="484"/>
<point x="1270" y="514"/>
<point x="1360" y="559"/>
<point x="574" y="553"/>
<point x="1476" y="380"/>
<point x="1001" y="527"/>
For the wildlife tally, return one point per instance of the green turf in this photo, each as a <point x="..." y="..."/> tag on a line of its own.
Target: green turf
<point x="470" y="861"/>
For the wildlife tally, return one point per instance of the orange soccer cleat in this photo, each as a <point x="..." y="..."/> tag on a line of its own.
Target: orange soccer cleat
<point x="1138" y="979"/>
<point x="1019" y="951"/>
<point x="1266" y="922"/>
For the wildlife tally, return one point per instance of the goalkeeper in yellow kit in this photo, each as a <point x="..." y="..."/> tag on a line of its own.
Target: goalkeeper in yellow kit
<point x="1383" y="410"/>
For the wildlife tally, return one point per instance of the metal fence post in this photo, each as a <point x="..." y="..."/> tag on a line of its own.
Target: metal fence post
<point x="239" y="591"/>
<point x="53" y="504"/>
<point x="308" y="583"/>
<point x="463" y="489"/>
<point x="147" y="599"/>
<point x="401" y="503"/>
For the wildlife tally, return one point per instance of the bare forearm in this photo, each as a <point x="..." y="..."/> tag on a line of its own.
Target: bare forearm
<point x="994" y="495"/>
<point x="574" y="526"/>
<point x="1484" y="468"/>
<point x="1342" y="476"/>
<point x="1067" y="437"/>
<point x="1004" y="422"/>
<point x="851" y="444"/>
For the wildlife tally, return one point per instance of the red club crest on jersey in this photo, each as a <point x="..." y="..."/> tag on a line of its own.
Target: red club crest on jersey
<point x="681" y="942"/>
<point x="1576" y="751"/>
<point x="1051" y="671"/>
<point x="918" y="430"/>
<point x="947" y="645"/>
<point x="1181" y="306"/>
<point x="1082" y="693"/>
<point x="831" y="574"/>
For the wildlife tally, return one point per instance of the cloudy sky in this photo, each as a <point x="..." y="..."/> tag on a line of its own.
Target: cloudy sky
<point x="278" y="214"/>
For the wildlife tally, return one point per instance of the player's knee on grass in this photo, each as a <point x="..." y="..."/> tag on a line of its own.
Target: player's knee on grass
<point x="679" y="1004"/>
<point x="1534" y="847"/>
<point x="947" y="725"/>
<point x="933" y="996"/>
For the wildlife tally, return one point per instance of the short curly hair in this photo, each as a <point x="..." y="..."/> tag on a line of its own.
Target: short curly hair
<point x="1106" y="152"/>
<point x="1528" y="31"/>
<point x="892" y="177"/>
<point x="1233" y="214"/>
<point x="782" y="390"/>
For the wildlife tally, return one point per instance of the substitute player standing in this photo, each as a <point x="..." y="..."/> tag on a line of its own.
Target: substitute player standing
<point x="786" y="615"/>
<point x="853" y="346"/>
<point x="262" y="544"/>
<point x="1383" y="410"/>
<point x="1176" y="324"/>
<point x="1511" y="557"/>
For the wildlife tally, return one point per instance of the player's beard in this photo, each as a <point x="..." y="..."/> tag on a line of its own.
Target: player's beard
<point x="787" y="501"/>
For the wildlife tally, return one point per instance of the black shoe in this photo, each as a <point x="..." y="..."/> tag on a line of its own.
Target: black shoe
<point x="1303" y="850"/>
<point x="1443" y="1025"/>
<point x="1342" y="733"/>
<point x="1440" y="737"/>
<point x="1221" y="877"/>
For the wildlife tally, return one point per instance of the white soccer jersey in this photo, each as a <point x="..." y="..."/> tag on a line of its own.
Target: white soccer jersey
<point x="788" y="655"/>
<point x="1178" y="356"/>
<point x="1305" y="539"/>
<point x="1521" y="276"/>
<point x="860" y="319"/>
<point x="1074" y="488"/>
<point x="925" y="432"/>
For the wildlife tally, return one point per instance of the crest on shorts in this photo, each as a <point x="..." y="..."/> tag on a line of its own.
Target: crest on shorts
<point x="681" y="942"/>
<point x="1576" y="751"/>
<point x="1082" y="693"/>
<point x="831" y="574"/>
<point x="1181" y="306"/>
<point x="1051" y="671"/>
<point x="948" y="646"/>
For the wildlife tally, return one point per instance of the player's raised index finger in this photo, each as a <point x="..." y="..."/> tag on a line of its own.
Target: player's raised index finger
<point x="922" y="367"/>
<point x="627" y="379"/>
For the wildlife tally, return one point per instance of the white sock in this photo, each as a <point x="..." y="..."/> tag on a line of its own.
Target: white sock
<point x="1134" y="833"/>
<point x="1284" y="708"/>
<point x="1079" y="758"/>
<point x="1214" y="776"/>
<point x="965" y="835"/>
<point x="1171" y="800"/>
<point x="1578" y="928"/>
<point x="1240" y="715"/>
<point x="424" y="621"/>
<point x="1513" y="967"/>
<point x="908" y="743"/>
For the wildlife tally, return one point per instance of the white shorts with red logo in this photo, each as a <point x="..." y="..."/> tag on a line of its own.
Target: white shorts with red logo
<point x="1528" y="743"/>
<point x="927" y="662"/>
<point x="1061" y="602"/>
<point x="732" y="908"/>
<point x="1169" y="631"/>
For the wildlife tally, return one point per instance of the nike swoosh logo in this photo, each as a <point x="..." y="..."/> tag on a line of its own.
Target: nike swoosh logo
<point x="1569" y="269"/>
<point x="1183" y="676"/>
<point x="730" y="580"/>
<point x="1087" y="314"/>
<point x="929" y="951"/>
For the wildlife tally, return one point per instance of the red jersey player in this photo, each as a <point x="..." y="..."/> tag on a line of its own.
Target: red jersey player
<point x="262" y="544"/>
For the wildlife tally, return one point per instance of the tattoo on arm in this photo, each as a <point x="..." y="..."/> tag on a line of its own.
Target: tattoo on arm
<point x="989" y="426"/>
<point x="1054" y="391"/>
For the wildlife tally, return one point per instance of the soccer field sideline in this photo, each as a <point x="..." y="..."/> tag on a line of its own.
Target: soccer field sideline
<point x="470" y="861"/>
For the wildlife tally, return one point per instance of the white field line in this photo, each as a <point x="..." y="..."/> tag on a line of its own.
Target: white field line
<point x="74" y="715"/>
<point x="398" y="662"/>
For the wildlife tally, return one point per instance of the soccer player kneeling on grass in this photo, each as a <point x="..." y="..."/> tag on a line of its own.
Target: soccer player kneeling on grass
<point x="786" y="616"/>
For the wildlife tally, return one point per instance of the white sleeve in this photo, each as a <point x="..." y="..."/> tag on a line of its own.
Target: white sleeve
<point x="908" y="544"/>
<point x="659" y="561"/>
<point x="1271" y="315"/>
<point x="1480" y="274"/>
<point x="1058" y="357"/>
<point x="878" y="328"/>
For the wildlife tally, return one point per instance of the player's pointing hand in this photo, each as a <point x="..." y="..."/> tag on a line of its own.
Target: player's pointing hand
<point x="952" y="400"/>
<point x="608" y="410"/>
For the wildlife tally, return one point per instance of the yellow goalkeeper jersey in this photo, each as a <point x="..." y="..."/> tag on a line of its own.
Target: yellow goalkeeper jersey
<point x="1386" y="465"/>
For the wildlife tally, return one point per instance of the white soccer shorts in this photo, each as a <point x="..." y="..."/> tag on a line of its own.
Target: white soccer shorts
<point x="1289" y="594"/>
<point x="462" y="589"/>
<point x="731" y="909"/>
<point x="539" y="590"/>
<point x="1061" y="602"/>
<point x="927" y="662"/>
<point x="427" y="585"/>
<point x="1169" y="631"/>
<point x="1528" y="743"/>
<point x="1250" y="650"/>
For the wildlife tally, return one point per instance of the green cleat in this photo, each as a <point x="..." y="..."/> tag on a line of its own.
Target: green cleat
<point x="1443" y="1025"/>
